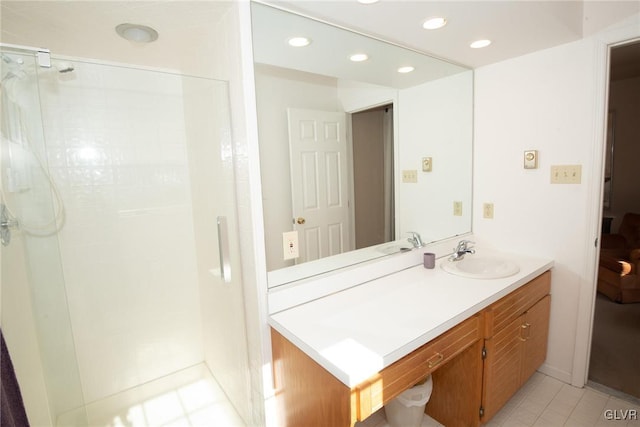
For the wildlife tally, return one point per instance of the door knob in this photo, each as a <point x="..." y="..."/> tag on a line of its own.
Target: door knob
<point x="300" y="220"/>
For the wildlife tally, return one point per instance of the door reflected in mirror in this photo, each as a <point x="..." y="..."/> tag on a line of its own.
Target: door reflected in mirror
<point x="336" y="138"/>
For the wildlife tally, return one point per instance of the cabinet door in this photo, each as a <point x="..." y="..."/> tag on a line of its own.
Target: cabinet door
<point x="502" y="367"/>
<point x="513" y="355"/>
<point x="536" y="320"/>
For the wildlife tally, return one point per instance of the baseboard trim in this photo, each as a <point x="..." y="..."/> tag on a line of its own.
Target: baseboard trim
<point x="556" y="373"/>
<point x="613" y="392"/>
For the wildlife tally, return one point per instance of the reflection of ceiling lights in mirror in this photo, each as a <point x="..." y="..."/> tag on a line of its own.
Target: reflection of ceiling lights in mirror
<point x="478" y="44"/>
<point x="434" y="23"/>
<point x="359" y="57"/>
<point x="368" y="1"/>
<point x="137" y="33"/>
<point x="299" y="41"/>
<point x="406" y="69"/>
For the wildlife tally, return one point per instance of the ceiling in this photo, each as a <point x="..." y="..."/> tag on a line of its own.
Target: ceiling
<point x="330" y="48"/>
<point x="515" y="27"/>
<point x="187" y="28"/>
<point x="86" y="29"/>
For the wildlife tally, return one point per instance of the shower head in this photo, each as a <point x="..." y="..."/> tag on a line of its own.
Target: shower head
<point x="64" y="67"/>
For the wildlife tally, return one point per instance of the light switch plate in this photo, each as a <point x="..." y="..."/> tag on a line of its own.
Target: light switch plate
<point x="566" y="174"/>
<point x="457" y="208"/>
<point x="410" y="176"/>
<point x="290" y="249"/>
<point x="487" y="210"/>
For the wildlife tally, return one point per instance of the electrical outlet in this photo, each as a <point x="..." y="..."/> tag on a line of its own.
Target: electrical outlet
<point x="410" y="176"/>
<point x="290" y="249"/>
<point x="427" y="164"/>
<point x="457" y="208"/>
<point x="487" y="210"/>
<point x="566" y="174"/>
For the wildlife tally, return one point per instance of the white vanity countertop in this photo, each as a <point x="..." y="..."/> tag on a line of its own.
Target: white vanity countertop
<point x="359" y="331"/>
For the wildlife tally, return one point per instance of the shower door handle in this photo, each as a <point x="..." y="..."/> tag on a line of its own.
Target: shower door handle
<point x="223" y="249"/>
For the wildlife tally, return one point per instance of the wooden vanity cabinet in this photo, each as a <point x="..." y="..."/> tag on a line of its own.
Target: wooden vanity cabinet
<point x="476" y="367"/>
<point x="308" y="395"/>
<point x="515" y="342"/>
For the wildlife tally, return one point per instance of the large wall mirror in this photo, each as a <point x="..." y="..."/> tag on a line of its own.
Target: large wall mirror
<point x="355" y="154"/>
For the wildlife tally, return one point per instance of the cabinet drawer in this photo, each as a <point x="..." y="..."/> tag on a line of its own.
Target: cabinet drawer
<point x="414" y="367"/>
<point x="504" y="311"/>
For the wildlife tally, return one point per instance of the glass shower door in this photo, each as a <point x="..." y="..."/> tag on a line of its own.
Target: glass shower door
<point x="145" y="165"/>
<point x="34" y="317"/>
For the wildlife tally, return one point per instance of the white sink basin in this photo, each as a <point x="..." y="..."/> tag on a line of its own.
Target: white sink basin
<point x="481" y="267"/>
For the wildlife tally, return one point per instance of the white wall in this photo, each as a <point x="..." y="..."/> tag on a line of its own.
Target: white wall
<point x="356" y="96"/>
<point x="238" y="63"/>
<point x="551" y="101"/>
<point x="436" y="121"/>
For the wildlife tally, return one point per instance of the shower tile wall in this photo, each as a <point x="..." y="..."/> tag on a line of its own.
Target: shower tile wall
<point x="116" y="146"/>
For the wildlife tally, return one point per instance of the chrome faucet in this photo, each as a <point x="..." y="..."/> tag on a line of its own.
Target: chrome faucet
<point x="461" y="250"/>
<point x="415" y="239"/>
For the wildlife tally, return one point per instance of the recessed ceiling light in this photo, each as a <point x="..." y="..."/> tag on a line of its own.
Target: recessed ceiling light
<point x="299" y="41"/>
<point x="137" y="33"/>
<point x="359" y="57"/>
<point x="406" y="69"/>
<point x="480" y="44"/>
<point x="368" y="1"/>
<point x="434" y="23"/>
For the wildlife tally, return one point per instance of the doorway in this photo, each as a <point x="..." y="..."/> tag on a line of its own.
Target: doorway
<point x="372" y="140"/>
<point x="615" y="346"/>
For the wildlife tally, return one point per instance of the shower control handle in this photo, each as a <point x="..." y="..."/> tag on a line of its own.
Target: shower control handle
<point x="7" y="222"/>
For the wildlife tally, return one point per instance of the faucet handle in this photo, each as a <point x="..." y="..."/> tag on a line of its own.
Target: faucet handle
<point x="415" y="239"/>
<point x="462" y="244"/>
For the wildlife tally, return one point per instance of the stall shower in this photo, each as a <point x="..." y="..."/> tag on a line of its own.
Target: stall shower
<point x="117" y="184"/>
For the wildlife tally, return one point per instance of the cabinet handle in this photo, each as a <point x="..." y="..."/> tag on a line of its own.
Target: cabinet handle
<point x="525" y="327"/>
<point x="435" y="360"/>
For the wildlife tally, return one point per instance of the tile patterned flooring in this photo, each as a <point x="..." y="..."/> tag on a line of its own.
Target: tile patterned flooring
<point x="193" y="398"/>
<point x="546" y="402"/>
<point x="189" y="398"/>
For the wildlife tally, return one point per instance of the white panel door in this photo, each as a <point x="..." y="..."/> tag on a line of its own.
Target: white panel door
<point x="319" y="187"/>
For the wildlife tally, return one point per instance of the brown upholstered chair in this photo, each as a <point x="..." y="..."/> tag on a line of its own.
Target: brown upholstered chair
<point x="619" y="270"/>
